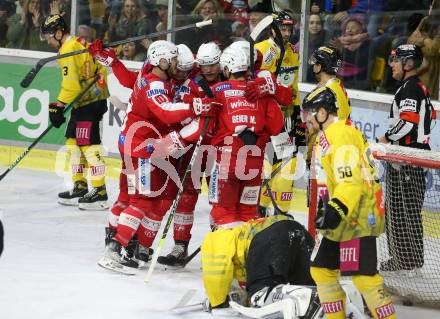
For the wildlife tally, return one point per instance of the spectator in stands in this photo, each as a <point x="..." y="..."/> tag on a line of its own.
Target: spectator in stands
<point x="354" y="44"/>
<point x="86" y="32"/>
<point x="317" y="38"/>
<point x="62" y="7"/>
<point x="257" y="13"/>
<point x="24" y="28"/>
<point x="162" y="12"/>
<point x="371" y="8"/>
<point x="97" y="14"/>
<point x="132" y="22"/>
<point x="133" y="52"/>
<point x="237" y="10"/>
<point x="186" y="6"/>
<point x="219" y="31"/>
<point x="239" y="30"/>
<point x="427" y="37"/>
<point x="6" y="10"/>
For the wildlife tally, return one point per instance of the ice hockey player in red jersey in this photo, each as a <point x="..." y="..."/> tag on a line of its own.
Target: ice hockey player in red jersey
<point x="242" y="131"/>
<point x="208" y="61"/>
<point x="146" y="192"/>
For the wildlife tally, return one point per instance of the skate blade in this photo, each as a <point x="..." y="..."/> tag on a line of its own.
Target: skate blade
<point x="111" y="265"/>
<point x="101" y="205"/>
<point x="68" y="202"/>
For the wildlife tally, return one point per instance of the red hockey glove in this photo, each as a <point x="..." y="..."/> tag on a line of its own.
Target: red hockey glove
<point x="170" y="145"/>
<point x="205" y="107"/>
<point x="106" y="57"/>
<point x="259" y="87"/>
<point x="56" y="114"/>
<point x="330" y="216"/>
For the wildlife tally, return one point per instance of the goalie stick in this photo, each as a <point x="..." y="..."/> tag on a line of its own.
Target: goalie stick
<point x="49" y="127"/>
<point x="205" y="86"/>
<point x="33" y="72"/>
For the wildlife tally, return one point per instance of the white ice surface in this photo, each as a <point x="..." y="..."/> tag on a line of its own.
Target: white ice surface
<point x="48" y="268"/>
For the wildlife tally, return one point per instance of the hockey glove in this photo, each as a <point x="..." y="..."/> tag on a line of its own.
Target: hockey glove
<point x="259" y="87"/>
<point x="329" y="216"/>
<point x="56" y="114"/>
<point x="205" y="107"/>
<point x="300" y="133"/>
<point x="106" y="57"/>
<point x="170" y="145"/>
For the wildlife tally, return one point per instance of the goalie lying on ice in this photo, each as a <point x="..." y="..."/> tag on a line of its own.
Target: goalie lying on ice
<point x="271" y="258"/>
<point x="260" y="254"/>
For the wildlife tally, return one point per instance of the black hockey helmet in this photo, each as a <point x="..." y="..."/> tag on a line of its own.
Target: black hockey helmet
<point x="405" y="52"/>
<point x="320" y="97"/>
<point x="52" y="24"/>
<point x="283" y="17"/>
<point x="328" y="57"/>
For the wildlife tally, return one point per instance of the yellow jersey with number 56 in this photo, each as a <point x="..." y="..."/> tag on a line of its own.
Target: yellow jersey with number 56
<point x="77" y="72"/>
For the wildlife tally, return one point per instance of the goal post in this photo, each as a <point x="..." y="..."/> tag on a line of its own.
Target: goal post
<point x="409" y="250"/>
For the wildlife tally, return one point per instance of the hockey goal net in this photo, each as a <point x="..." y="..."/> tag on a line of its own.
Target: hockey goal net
<point x="409" y="250"/>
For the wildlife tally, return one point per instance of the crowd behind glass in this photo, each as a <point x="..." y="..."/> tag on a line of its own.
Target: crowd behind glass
<point x="364" y="31"/>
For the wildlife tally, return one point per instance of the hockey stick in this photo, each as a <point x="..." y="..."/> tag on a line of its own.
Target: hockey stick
<point x="49" y="127"/>
<point x="204" y="85"/>
<point x="33" y="72"/>
<point x="263" y="24"/>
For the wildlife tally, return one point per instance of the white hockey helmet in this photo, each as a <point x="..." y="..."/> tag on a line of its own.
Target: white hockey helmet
<point x="161" y="49"/>
<point x="235" y="60"/>
<point x="246" y="47"/>
<point x="208" y="54"/>
<point x="185" y="58"/>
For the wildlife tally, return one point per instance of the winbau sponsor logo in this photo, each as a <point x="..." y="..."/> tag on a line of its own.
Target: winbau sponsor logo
<point x="98" y="170"/>
<point x="332" y="307"/>
<point x="242" y="104"/>
<point x="385" y="311"/>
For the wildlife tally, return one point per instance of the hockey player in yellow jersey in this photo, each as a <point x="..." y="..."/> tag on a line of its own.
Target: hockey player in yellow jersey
<point x="83" y="141"/>
<point x="259" y="254"/>
<point x="325" y="63"/>
<point x="350" y="211"/>
<point x="283" y="147"/>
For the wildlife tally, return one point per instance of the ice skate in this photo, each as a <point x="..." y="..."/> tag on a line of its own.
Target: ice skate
<point x="96" y="199"/>
<point x="176" y="258"/>
<point x="71" y="197"/>
<point x="119" y="259"/>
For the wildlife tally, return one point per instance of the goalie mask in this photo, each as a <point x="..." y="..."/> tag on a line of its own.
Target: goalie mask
<point x="208" y="54"/>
